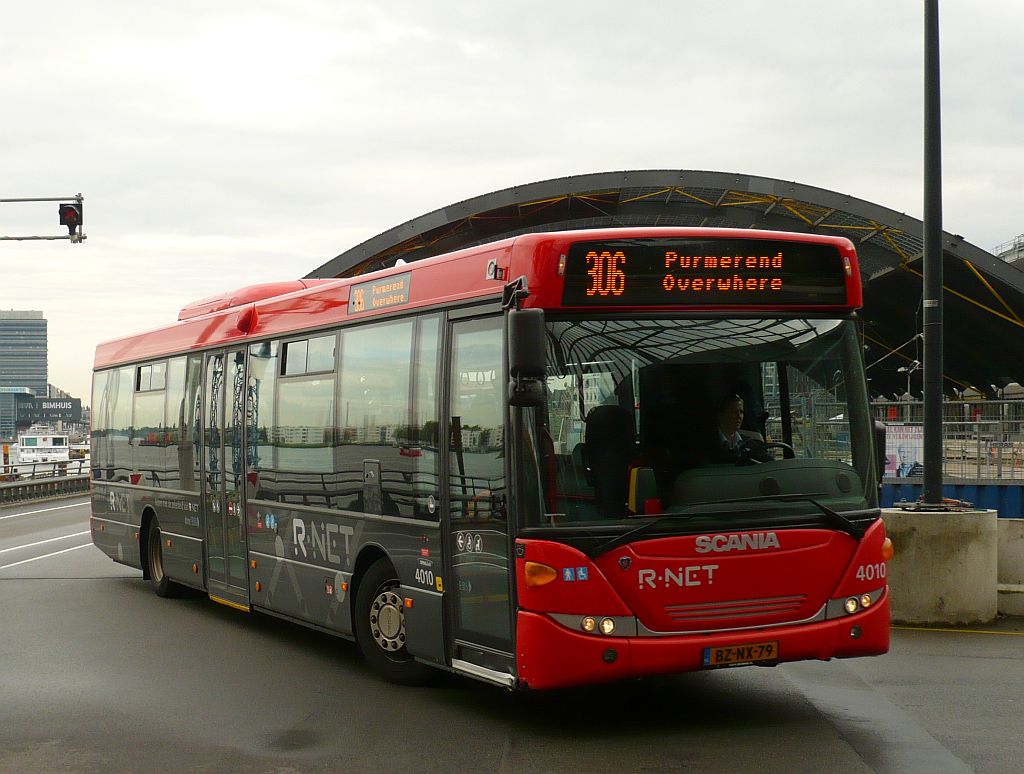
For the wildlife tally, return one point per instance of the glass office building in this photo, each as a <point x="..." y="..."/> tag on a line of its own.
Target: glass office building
<point x="10" y="399"/>
<point x="23" y="363"/>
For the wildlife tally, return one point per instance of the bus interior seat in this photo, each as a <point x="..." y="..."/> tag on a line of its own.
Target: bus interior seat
<point x="609" y="449"/>
<point x="577" y="456"/>
<point x="578" y="472"/>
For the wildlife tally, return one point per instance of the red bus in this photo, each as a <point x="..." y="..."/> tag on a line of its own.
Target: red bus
<point x="553" y="460"/>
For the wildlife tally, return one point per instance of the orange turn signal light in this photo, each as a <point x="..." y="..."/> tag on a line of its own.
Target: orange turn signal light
<point x="538" y="574"/>
<point x="408" y="602"/>
<point x="887" y="549"/>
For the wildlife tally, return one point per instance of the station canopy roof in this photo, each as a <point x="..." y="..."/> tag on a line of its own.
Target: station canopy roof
<point x="983" y="303"/>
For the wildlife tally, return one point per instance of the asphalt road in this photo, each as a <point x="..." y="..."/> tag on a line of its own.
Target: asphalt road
<point x="97" y="674"/>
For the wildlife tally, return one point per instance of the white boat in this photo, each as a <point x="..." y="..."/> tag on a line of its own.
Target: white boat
<point x="42" y="445"/>
<point x="41" y="452"/>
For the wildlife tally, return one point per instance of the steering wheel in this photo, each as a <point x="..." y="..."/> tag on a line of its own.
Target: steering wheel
<point x="755" y="452"/>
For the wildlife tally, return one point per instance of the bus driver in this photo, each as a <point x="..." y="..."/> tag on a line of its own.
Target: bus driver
<point x="733" y="443"/>
<point x="730" y="419"/>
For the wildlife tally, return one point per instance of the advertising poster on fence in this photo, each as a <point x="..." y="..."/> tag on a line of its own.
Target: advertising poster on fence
<point x="904" y="447"/>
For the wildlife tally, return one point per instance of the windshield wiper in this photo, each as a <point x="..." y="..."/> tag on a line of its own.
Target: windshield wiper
<point x="626" y="537"/>
<point x="832" y="519"/>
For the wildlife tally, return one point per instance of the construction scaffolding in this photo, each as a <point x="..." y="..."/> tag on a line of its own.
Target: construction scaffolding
<point x="1012" y="252"/>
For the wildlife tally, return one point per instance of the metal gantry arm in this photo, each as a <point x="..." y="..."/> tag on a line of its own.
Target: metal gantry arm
<point x="75" y="233"/>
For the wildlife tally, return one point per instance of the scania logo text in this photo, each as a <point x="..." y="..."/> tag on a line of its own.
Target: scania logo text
<point x="749" y="541"/>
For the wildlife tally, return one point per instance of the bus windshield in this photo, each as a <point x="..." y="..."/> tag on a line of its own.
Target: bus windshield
<point x="654" y="417"/>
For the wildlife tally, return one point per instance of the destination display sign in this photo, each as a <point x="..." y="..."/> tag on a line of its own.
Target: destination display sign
<point x="704" y="272"/>
<point x="380" y="294"/>
<point x="49" y="410"/>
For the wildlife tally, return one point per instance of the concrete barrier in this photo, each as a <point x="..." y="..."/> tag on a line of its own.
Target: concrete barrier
<point x="1011" y="567"/>
<point x="42" y="488"/>
<point x="944" y="570"/>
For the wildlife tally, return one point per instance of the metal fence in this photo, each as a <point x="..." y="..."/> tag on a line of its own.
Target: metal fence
<point x="25" y="481"/>
<point x="980" y="439"/>
<point x="31" y="471"/>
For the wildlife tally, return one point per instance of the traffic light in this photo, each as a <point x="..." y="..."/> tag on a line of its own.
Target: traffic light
<point x="71" y="216"/>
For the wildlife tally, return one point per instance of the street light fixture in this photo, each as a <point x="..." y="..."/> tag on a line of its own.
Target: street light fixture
<point x="915" y="365"/>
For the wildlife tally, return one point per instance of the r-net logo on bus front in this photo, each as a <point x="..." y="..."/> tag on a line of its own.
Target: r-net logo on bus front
<point x="694" y="575"/>
<point x="653" y="272"/>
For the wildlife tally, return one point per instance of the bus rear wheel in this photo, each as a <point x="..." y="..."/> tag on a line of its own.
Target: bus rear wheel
<point x="162" y="585"/>
<point x="380" y="627"/>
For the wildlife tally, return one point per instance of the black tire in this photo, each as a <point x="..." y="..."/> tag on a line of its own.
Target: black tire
<point x="162" y="585"/>
<point x="380" y="627"/>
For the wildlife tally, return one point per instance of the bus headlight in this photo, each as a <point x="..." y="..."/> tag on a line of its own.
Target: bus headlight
<point x="606" y="625"/>
<point x="839" y="607"/>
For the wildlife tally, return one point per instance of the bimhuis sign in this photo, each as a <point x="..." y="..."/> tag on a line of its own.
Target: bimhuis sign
<point x="50" y="410"/>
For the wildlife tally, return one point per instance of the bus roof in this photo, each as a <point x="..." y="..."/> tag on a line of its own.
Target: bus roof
<point x="282" y="308"/>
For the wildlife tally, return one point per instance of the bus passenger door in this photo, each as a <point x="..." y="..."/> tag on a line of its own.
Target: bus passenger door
<point x="223" y="477"/>
<point x="476" y="529"/>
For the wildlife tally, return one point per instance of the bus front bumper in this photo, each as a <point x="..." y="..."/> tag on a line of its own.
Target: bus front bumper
<point x="550" y="655"/>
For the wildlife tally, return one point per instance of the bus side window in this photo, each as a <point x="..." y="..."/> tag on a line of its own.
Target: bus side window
<point x="374" y="417"/>
<point x="118" y="420"/>
<point x="426" y="493"/>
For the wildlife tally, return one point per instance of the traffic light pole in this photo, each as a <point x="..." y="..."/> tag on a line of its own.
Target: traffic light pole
<point x="72" y="218"/>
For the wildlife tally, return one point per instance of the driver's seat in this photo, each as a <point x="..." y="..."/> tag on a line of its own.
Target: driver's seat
<point x="609" y="449"/>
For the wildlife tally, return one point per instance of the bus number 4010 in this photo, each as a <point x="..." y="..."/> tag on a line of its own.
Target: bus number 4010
<point x="870" y="572"/>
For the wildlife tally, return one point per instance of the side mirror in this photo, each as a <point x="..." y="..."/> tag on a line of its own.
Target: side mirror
<point x="526" y="360"/>
<point x="880" y="449"/>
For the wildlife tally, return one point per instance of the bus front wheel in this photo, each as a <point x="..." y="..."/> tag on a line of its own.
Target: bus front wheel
<point x="380" y="627"/>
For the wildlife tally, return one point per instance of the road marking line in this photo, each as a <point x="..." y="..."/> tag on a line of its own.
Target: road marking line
<point x="40" y="542"/>
<point x="44" y="510"/>
<point x="44" y="556"/>
<point x="954" y="631"/>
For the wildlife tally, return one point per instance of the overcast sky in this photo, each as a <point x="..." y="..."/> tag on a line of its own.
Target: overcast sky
<point x="220" y="144"/>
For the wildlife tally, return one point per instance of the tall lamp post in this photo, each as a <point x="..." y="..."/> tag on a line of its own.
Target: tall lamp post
<point x="932" y="302"/>
<point x="915" y="365"/>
